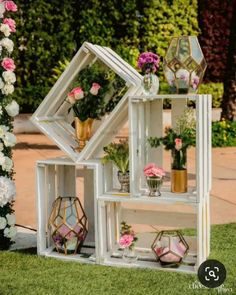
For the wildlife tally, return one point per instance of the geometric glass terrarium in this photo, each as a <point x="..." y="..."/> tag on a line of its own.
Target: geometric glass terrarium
<point x="68" y="224"/>
<point x="170" y="248"/>
<point x="184" y="64"/>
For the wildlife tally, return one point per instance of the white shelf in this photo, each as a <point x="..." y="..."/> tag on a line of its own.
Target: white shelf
<point x="144" y="98"/>
<point x="50" y="252"/>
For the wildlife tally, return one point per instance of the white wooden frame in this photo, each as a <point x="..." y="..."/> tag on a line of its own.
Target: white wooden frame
<point x="57" y="177"/>
<point x="52" y="115"/>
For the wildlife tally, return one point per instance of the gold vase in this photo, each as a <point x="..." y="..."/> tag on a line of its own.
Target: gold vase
<point x="179" y="180"/>
<point x="83" y="130"/>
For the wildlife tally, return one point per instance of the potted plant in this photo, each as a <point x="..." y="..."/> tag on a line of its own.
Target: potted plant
<point x="178" y="140"/>
<point x="118" y="153"/>
<point x="154" y="176"/>
<point x="148" y="63"/>
<point x="87" y="99"/>
<point x="127" y="242"/>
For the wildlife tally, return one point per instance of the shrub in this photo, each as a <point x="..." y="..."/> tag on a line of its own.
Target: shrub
<point x="223" y="133"/>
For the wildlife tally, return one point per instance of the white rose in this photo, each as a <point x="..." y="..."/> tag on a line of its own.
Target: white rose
<point x="11" y="219"/>
<point x="7" y="190"/>
<point x="182" y="74"/>
<point x="10" y="232"/>
<point x="3" y="222"/>
<point x="5" y="29"/>
<point x="12" y="109"/>
<point x="1" y="83"/>
<point x="7" y="165"/>
<point x="2" y="9"/>
<point x="9" y="139"/>
<point x="8" y="89"/>
<point x="2" y="158"/>
<point x="9" y="77"/>
<point x="1" y="146"/>
<point x="3" y="130"/>
<point x="8" y="44"/>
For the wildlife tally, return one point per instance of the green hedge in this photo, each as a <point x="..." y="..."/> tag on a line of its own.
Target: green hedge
<point x="50" y="33"/>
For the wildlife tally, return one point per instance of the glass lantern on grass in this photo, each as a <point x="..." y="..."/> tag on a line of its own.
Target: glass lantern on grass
<point x="68" y="224"/>
<point x="184" y="64"/>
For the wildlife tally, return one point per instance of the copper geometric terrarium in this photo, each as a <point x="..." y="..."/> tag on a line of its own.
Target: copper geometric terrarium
<point x="68" y="224"/>
<point x="170" y="248"/>
<point x="184" y="64"/>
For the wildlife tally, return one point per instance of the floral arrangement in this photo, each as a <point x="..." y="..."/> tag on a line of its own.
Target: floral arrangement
<point x="148" y="62"/>
<point x="152" y="170"/>
<point x="118" y="153"/>
<point x="128" y="238"/>
<point x="178" y="139"/>
<point x="183" y="79"/>
<point x="87" y="97"/>
<point x="8" y="109"/>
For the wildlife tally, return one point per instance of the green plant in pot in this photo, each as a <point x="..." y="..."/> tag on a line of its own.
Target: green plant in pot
<point x="118" y="154"/>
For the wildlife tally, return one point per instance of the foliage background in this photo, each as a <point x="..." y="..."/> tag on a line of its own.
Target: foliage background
<point x="50" y="33"/>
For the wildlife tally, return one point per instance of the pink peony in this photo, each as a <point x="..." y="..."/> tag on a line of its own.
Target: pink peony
<point x="178" y="144"/>
<point x="94" y="89"/>
<point x="152" y="170"/>
<point x="8" y="64"/>
<point x="78" y="93"/>
<point x="11" y="23"/>
<point x="10" y="6"/>
<point x="126" y="241"/>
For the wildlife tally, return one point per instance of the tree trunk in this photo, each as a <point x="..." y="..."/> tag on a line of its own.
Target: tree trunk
<point x="229" y="97"/>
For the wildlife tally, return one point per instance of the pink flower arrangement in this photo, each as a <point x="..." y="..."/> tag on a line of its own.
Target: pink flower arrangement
<point x="148" y="62"/>
<point x="8" y="64"/>
<point x="11" y="23"/>
<point x="75" y="94"/>
<point x="152" y="170"/>
<point x="128" y="238"/>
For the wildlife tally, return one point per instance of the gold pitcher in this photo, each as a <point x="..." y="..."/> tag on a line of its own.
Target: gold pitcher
<point x="179" y="180"/>
<point x="83" y="130"/>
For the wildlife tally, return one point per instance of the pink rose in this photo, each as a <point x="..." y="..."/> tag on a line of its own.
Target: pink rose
<point x="126" y="241"/>
<point x="178" y="144"/>
<point x="11" y="23"/>
<point x="78" y="93"/>
<point x="8" y="64"/>
<point x="94" y="89"/>
<point x="71" y="97"/>
<point x="10" y="6"/>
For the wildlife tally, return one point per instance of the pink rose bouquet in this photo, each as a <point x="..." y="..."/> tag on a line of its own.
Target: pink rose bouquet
<point x="148" y="62"/>
<point x="152" y="170"/>
<point x="127" y="238"/>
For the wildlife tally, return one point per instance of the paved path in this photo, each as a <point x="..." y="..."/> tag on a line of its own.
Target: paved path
<point x="33" y="147"/>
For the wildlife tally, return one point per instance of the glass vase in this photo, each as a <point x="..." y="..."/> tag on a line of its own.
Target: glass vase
<point x="179" y="171"/>
<point x="124" y="181"/>
<point x="154" y="185"/>
<point x="150" y="84"/>
<point x="130" y="255"/>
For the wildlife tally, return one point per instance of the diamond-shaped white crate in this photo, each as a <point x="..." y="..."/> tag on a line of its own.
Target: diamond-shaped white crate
<point x="52" y="116"/>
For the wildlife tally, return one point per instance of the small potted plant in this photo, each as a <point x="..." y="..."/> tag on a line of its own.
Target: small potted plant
<point x="154" y="176"/>
<point x="148" y="63"/>
<point x="118" y="153"/>
<point x="127" y="242"/>
<point x="178" y="140"/>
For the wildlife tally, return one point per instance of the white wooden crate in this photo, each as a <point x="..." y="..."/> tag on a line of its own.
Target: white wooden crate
<point x="52" y="115"/>
<point x="59" y="177"/>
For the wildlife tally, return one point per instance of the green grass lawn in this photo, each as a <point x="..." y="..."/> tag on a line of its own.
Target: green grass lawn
<point x="26" y="274"/>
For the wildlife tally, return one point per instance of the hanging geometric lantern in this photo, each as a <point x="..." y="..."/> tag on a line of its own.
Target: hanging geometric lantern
<point x="68" y="224"/>
<point x="170" y="248"/>
<point x="184" y="64"/>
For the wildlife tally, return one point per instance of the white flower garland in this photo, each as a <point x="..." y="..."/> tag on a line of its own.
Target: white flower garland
<point x="8" y="107"/>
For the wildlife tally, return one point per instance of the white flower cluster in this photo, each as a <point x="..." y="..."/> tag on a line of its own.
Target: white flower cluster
<point x="7" y="190"/>
<point x="6" y="84"/>
<point x="9" y="140"/>
<point x="12" y="109"/>
<point x="7" y="224"/>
